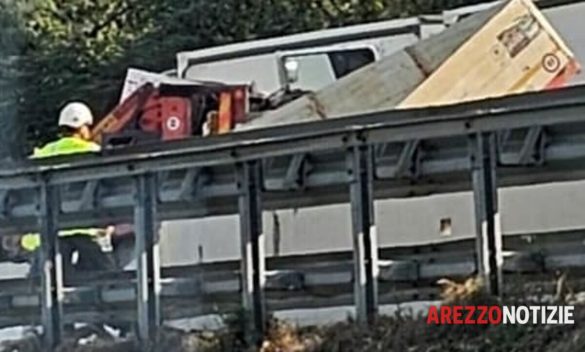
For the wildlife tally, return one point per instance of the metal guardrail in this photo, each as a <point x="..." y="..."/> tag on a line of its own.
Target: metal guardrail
<point x="528" y="139"/>
<point x="296" y="282"/>
<point x="416" y="152"/>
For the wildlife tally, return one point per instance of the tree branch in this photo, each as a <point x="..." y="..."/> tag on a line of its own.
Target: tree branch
<point x="111" y="18"/>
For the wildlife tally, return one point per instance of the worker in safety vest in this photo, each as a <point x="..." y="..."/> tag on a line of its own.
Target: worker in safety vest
<point x="92" y="246"/>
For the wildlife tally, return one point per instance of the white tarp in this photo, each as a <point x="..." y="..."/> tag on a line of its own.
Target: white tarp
<point x="135" y="78"/>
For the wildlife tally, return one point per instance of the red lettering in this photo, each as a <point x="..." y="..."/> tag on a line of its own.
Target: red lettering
<point x="495" y="315"/>
<point x="482" y="313"/>
<point x="457" y="315"/>
<point x="433" y="317"/>
<point x="469" y="318"/>
<point x="446" y="315"/>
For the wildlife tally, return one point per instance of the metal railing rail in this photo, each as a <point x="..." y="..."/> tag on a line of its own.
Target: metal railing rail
<point x="297" y="282"/>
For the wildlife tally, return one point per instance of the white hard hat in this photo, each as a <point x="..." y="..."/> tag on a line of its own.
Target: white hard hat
<point x="75" y="115"/>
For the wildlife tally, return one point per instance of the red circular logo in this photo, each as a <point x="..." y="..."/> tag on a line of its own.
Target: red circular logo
<point x="551" y="62"/>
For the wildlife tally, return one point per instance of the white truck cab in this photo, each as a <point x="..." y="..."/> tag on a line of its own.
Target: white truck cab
<point x="307" y="61"/>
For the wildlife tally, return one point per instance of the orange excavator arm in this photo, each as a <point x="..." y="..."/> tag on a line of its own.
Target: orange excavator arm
<point x="122" y="114"/>
<point x="175" y="112"/>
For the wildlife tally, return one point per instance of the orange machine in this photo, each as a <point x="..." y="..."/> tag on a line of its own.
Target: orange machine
<point x="169" y="112"/>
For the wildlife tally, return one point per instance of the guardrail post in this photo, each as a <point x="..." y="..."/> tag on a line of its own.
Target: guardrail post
<point x="51" y="267"/>
<point x="147" y="259"/>
<point x="487" y="218"/>
<point x="365" y="248"/>
<point x="252" y="246"/>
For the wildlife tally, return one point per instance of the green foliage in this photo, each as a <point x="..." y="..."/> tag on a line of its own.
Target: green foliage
<point x="13" y="43"/>
<point x="74" y="48"/>
<point x="80" y="49"/>
<point x="88" y="31"/>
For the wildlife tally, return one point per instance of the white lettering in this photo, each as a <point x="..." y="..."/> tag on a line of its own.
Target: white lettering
<point x="538" y="315"/>
<point x="569" y="314"/>
<point x="509" y="315"/>
<point x="534" y="310"/>
<point x="525" y="314"/>
<point x="550" y="319"/>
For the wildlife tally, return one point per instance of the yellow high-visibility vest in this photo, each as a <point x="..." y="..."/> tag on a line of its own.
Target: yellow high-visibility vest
<point x="63" y="146"/>
<point x="32" y="241"/>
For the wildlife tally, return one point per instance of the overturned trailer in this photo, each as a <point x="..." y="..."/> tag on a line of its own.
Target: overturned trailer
<point x="459" y="62"/>
<point x="508" y="49"/>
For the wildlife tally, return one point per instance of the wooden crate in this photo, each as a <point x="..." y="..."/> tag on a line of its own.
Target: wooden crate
<point x="510" y="48"/>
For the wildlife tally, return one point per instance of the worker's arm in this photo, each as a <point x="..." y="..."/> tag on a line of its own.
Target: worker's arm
<point x="43" y="152"/>
<point x="94" y="147"/>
